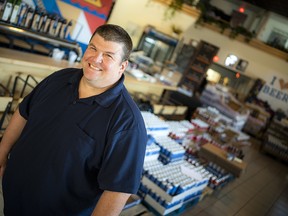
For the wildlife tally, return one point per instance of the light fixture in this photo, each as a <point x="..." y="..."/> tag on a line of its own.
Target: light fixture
<point x="231" y="60"/>
<point x="215" y="58"/>
<point x="241" y="9"/>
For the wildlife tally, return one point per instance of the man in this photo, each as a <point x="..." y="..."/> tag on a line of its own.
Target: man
<point x="78" y="138"/>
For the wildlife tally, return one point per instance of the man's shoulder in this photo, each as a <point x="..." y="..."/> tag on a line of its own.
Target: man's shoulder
<point x="66" y="72"/>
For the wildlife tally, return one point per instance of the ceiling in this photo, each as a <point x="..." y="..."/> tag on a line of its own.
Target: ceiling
<point x="277" y="6"/>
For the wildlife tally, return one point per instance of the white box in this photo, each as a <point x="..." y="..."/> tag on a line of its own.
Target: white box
<point x="167" y="197"/>
<point x="158" y="207"/>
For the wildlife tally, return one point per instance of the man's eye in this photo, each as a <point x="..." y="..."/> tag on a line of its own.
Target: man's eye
<point x="109" y="56"/>
<point x="92" y="48"/>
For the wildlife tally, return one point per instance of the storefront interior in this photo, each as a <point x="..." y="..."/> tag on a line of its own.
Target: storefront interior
<point x="200" y="93"/>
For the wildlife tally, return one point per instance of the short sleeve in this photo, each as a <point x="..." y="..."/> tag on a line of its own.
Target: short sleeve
<point x="30" y="99"/>
<point x="122" y="166"/>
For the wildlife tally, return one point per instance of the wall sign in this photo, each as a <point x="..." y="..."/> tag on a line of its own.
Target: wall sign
<point x="275" y="93"/>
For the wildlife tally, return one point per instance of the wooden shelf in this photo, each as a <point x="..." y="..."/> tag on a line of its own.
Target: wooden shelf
<point x="196" y="69"/>
<point x="198" y="65"/>
<point x="192" y="78"/>
<point x="190" y="10"/>
<point x="253" y="42"/>
<point x="202" y="59"/>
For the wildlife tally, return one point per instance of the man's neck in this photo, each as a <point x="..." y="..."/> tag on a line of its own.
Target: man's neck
<point x="87" y="90"/>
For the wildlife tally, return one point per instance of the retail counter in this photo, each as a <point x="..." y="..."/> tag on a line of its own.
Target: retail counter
<point x="13" y="62"/>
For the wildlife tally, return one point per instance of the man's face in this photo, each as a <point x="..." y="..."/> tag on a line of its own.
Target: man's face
<point x="102" y="62"/>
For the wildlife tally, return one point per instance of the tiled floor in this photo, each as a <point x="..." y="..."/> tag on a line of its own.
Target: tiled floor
<point x="262" y="190"/>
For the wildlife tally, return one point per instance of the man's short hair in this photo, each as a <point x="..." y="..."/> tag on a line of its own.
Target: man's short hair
<point x="117" y="34"/>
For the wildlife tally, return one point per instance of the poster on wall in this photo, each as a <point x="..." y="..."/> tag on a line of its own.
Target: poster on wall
<point x="85" y="15"/>
<point x="275" y="92"/>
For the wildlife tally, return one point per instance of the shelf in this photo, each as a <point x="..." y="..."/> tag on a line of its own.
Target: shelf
<point x="190" y="10"/>
<point x="203" y="59"/>
<point x="197" y="69"/>
<point x="275" y="142"/>
<point x="199" y="63"/>
<point x="22" y="33"/>
<point x="253" y="42"/>
<point x="192" y="78"/>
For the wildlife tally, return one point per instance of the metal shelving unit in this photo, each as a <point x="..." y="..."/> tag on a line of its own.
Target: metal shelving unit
<point x="18" y="37"/>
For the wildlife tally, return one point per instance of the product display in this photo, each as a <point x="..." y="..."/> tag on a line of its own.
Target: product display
<point x="257" y="120"/>
<point x="31" y="28"/>
<point x="21" y="14"/>
<point x="185" y="77"/>
<point x="180" y="164"/>
<point x="218" y="96"/>
<point x="166" y="188"/>
<point x="276" y="136"/>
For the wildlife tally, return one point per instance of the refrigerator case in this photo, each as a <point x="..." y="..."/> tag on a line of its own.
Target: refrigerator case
<point x="157" y="45"/>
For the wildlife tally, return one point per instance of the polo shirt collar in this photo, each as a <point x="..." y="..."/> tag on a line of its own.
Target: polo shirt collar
<point x="106" y="98"/>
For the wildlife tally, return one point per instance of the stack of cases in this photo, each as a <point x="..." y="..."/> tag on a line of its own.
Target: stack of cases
<point x="167" y="188"/>
<point x="170" y="150"/>
<point x="152" y="150"/>
<point x="154" y="125"/>
<point x="200" y="125"/>
<point x="178" y="130"/>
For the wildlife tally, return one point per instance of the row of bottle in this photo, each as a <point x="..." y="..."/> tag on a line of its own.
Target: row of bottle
<point x="9" y="10"/>
<point x="144" y="190"/>
<point x="21" y="14"/>
<point x="171" y="179"/>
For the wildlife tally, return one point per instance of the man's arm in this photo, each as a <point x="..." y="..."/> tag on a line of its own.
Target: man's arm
<point x="10" y="136"/>
<point x="110" y="203"/>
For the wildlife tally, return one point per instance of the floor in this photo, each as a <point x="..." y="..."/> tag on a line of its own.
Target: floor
<point x="262" y="190"/>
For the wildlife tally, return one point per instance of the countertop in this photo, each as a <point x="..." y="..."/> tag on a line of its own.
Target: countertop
<point x="30" y="60"/>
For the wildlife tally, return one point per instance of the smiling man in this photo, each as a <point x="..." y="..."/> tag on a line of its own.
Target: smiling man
<point x="76" y="144"/>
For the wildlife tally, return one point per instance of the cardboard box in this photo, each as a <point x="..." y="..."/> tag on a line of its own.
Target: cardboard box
<point x="219" y="156"/>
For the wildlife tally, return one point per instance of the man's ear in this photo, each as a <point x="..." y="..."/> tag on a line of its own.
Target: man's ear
<point x="123" y="66"/>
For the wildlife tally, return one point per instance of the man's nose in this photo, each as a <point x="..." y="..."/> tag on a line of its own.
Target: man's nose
<point x="98" y="57"/>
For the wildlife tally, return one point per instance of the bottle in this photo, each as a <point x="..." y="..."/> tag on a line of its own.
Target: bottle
<point x="2" y="7"/>
<point x="21" y="14"/>
<point x="67" y="30"/>
<point x="29" y="18"/>
<point x="24" y="14"/>
<point x="53" y="25"/>
<point x="58" y="26"/>
<point x="42" y="22"/>
<point x="36" y="19"/>
<point x="47" y="24"/>
<point x="63" y="24"/>
<point x="16" y="9"/>
<point x="7" y="10"/>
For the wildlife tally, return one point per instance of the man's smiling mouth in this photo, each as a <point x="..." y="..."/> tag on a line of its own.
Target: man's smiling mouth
<point x="94" y="67"/>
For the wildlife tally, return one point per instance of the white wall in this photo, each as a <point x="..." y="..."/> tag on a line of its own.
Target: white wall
<point x="263" y="65"/>
<point x="135" y="15"/>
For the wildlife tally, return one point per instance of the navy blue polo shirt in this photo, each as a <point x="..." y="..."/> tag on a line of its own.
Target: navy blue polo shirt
<point x="72" y="149"/>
